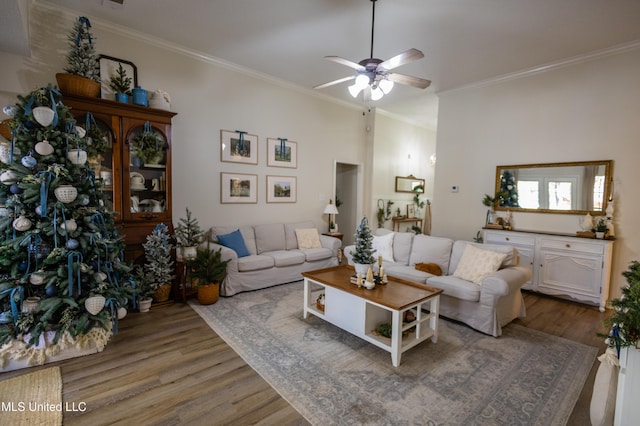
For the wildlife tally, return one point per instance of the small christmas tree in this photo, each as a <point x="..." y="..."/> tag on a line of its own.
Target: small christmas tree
<point x="625" y="321"/>
<point x="188" y="231"/>
<point x="82" y="59"/>
<point x="158" y="266"/>
<point x="120" y="82"/>
<point x="364" y="244"/>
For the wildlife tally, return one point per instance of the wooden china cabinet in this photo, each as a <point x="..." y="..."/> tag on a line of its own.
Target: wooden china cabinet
<point x="140" y="193"/>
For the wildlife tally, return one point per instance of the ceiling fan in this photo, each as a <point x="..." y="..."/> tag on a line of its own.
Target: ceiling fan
<point x="373" y="75"/>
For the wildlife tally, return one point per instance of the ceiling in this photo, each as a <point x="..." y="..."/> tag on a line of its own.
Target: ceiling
<point x="464" y="41"/>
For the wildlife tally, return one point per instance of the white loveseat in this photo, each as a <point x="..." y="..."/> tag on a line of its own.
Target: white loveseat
<point x="486" y="306"/>
<point x="274" y="256"/>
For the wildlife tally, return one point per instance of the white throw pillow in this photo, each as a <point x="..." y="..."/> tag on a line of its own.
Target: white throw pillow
<point x="476" y="264"/>
<point x="383" y="246"/>
<point x="308" y="238"/>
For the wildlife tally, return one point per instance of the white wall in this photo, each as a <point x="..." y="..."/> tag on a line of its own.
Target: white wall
<point x="400" y="149"/>
<point x="587" y="111"/>
<point x="208" y="98"/>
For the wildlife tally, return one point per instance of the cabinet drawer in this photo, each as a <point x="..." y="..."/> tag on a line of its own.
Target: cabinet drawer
<point x="575" y="246"/>
<point x="511" y="239"/>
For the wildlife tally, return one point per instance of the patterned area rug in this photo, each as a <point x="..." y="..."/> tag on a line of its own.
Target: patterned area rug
<point x="467" y="378"/>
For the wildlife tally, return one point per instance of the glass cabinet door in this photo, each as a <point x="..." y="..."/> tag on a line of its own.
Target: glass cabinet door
<point x="102" y="156"/>
<point x="146" y="157"/>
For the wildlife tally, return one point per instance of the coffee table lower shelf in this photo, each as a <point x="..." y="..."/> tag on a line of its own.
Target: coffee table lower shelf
<point x="360" y="317"/>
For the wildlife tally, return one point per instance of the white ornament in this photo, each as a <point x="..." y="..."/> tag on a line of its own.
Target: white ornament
<point x="43" y="115"/>
<point x="94" y="304"/>
<point x="22" y="223"/>
<point x="44" y="148"/>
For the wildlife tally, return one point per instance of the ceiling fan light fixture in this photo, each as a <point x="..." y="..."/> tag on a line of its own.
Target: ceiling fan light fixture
<point x="362" y="80"/>
<point x="354" y="89"/>
<point x="386" y="85"/>
<point x="376" y="93"/>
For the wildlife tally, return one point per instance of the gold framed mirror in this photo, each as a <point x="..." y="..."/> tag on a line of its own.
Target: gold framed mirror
<point x="569" y="188"/>
<point x="410" y="184"/>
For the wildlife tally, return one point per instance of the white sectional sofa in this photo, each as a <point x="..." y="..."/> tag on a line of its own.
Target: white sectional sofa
<point x="273" y="255"/>
<point x="486" y="305"/>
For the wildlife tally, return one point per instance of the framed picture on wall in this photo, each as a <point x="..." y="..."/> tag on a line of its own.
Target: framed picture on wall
<point x="281" y="189"/>
<point x="108" y="67"/>
<point x="238" y="147"/>
<point x="282" y="153"/>
<point x="238" y="188"/>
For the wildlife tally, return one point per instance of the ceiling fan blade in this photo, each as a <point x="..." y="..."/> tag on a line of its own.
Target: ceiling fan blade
<point x="420" y="83"/>
<point x="401" y="59"/>
<point x="331" y="83"/>
<point x="346" y="62"/>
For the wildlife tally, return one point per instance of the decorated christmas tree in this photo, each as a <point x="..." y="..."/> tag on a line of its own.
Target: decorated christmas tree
<point x="61" y="264"/>
<point x="363" y="253"/>
<point x="82" y="58"/>
<point x="625" y="321"/>
<point x="508" y="194"/>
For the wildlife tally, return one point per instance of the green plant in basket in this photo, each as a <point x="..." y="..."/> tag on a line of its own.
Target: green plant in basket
<point x="208" y="267"/>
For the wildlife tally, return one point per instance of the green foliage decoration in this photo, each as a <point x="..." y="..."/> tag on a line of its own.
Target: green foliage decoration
<point x="625" y="321"/>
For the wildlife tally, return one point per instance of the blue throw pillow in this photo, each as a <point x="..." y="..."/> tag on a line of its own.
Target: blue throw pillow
<point x="235" y="242"/>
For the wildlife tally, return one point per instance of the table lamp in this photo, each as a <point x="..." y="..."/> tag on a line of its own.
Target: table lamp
<point x="330" y="209"/>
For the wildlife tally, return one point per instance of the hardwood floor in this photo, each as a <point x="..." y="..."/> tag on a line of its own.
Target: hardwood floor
<point x="167" y="367"/>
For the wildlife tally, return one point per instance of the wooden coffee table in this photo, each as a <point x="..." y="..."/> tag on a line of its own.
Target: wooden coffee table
<point x="359" y="311"/>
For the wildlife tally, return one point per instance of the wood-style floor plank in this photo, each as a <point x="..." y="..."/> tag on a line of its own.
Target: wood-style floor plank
<point x="167" y="367"/>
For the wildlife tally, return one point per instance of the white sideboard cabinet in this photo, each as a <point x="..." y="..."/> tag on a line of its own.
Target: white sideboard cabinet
<point x="562" y="265"/>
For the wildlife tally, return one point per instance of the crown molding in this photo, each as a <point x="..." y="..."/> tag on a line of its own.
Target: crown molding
<point x="590" y="56"/>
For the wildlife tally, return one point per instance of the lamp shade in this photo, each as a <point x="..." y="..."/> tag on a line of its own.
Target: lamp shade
<point x="330" y="208"/>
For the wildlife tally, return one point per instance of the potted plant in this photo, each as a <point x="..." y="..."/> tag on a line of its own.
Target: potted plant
<point x="82" y="75"/>
<point x="189" y="235"/>
<point x="120" y="83"/>
<point x="209" y="270"/>
<point x="158" y="266"/>
<point x="149" y="145"/>
<point x="601" y="228"/>
<point x="363" y="254"/>
<point x="144" y="290"/>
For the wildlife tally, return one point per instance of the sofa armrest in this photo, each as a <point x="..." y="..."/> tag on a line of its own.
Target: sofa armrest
<point x="226" y="253"/>
<point x="331" y="243"/>
<point x="503" y="282"/>
<point x="347" y="254"/>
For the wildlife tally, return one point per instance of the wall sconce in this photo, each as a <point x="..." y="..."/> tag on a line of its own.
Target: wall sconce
<point x="432" y="159"/>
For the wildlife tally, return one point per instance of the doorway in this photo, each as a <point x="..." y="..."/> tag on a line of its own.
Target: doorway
<point x="348" y="187"/>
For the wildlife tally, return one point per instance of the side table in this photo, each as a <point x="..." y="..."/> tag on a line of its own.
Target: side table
<point x="182" y="284"/>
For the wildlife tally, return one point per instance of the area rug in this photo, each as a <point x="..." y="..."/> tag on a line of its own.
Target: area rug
<point x="467" y="378"/>
<point x="32" y="399"/>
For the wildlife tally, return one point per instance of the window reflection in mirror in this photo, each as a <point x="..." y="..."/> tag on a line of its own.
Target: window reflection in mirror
<point x="576" y="188"/>
<point x="409" y="184"/>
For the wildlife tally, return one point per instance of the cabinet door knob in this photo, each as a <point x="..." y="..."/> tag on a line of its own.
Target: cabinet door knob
<point x="567" y="245"/>
<point x="506" y="238"/>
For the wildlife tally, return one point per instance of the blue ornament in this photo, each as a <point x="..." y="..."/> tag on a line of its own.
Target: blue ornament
<point x="29" y="161"/>
<point x="72" y="244"/>
<point x="15" y="189"/>
<point x="84" y="200"/>
<point x="22" y="266"/>
<point x="29" y="125"/>
<point x="51" y="290"/>
<point x="39" y="210"/>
